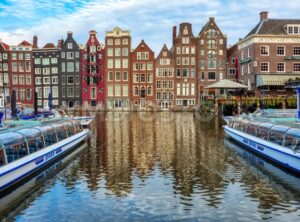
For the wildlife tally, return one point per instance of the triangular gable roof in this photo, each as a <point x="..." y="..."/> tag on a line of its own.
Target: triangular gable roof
<point x="4" y="46"/>
<point x="142" y="43"/>
<point x="164" y="48"/>
<point x="24" y="43"/>
<point x="49" y="46"/>
<point x="204" y="28"/>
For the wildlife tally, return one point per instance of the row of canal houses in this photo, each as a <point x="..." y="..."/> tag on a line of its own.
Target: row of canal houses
<point x="115" y="76"/>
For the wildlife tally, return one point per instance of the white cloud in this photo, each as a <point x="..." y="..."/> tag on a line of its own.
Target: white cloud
<point x="151" y="20"/>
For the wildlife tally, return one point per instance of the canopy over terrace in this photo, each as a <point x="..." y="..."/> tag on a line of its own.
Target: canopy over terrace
<point x="226" y="84"/>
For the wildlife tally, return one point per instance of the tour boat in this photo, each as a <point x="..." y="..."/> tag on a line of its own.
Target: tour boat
<point x="277" y="142"/>
<point x="23" y="150"/>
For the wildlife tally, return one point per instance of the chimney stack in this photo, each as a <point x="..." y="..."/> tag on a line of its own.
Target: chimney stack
<point x="70" y="34"/>
<point x="174" y="34"/>
<point x="60" y="43"/>
<point x="35" y="42"/>
<point x="263" y="16"/>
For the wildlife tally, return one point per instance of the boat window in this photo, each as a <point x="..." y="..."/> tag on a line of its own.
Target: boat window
<point x="78" y="127"/>
<point x="60" y="132"/>
<point x="35" y="144"/>
<point x="263" y="133"/>
<point x="252" y="129"/>
<point x="70" y="129"/>
<point x="2" y="157"/>
<point x="16" y="151"/>
<point x="235" y="125"/>
<point x="50" y="138"/>
<point x="292" y="139"/>
<point x="276" y="137"/>
<point x="243" y="127"/>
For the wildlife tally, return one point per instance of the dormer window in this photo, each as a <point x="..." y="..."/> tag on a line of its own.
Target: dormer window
<point x="185" y="31"/>
<point x="293" y="29"/>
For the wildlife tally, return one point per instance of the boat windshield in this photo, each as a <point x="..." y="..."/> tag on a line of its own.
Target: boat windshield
<point x="277" y="134"/>
<point x="14" y="145"/>
<point x="292" y="139"/>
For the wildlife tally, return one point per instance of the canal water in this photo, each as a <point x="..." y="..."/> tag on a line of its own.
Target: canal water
<point x="157" y="167"/>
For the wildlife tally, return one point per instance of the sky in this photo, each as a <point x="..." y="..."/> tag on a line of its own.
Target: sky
<point x="151" y="20"/>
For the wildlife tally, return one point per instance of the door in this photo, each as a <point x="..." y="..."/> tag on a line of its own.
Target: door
<point x="184" y="103"/>
<point x="165" y="105"/>
<point x="143" y="104"/>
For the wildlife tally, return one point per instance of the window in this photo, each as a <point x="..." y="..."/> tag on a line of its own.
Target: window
<point x="178" y="50"/>
<point x="14" y="67"/>
<point x="178" y="91"/>
<point x="280" y="50"/>
<point x="192" y="49"/>
<point x="165" y="61"/>
<point x="76" y="66"/>
<point x="117" y="63"/>
<point x="202" y="76"/>
<point x="117" y="42"/>
<point x="192" y="73"/>
<point x="118" y="76"/>
<point x="118" y="90"/>
<point x="211" y="43"/>
<point x="149" y="91"/>
<point x="63" y="55"/>
<point x="165" y="84"/>
<point x="185" y="60"/>
<point x="27" y="66"/>
<point x="211" y="33"/>
<point x="143" y="78"/>
<point x="149" y="78"/>
<point x="158" y="95"/>
<point x="110" y="90"/>
<point x="5" y="66"/>
<point x="170" y="84"/>
<point x="296" y="50"/>
<point x="136" y="91"/>
<point x="70" y="55"/>
<point x="54" y="60"/>
<point x="110" y="63"/>
<point x="231" y="71"/>
<point x="178" y="74"/>
<point x="212" y="64"/>
<point x="70" y="45"/>
<point x="211" y="76"/>
<point x="280" y="67"/>
<point x="93" y="93"/>
<point x="20" y="56"/>
<point x="77" y="80"/>
<point x="21" y="80"/>
<point x="63" y="67"/>
<point x="249" y="68"/>
<point x="142" y="55"/>
<point x="28" y="80"/>
<point x="178" y="61"/>
<point x="158" y="84"/>
<point x="149" y="66"/>
<point x="38" y="80"/>
<point x="211" y="54"/>
<point x="21" y="66"/>
<point x="185" y="50"/>
<point x="125" y="41"/>
<point x="264" y="50"/>
<point x="135" y="78"/>
<point x="77" y="55"/>
<point x="125" y="90"/>
<point x="185" y="40"/>
<point x="117" y="52"/>
<point x="70" y="80"/>
<point x="125" y="63"/>
<point x="55" y="91"/>
<point x="46" y="61"/>
<point x="54" y="79"/>
<point x="37" y="61"/>
<point x="110" y="76"/>
<point x="70" y="66"/>
<point x="28" y="94"/>
<point x="54" y="70"/>
<point x="221" y="41"/>
<point x="142" y="66"/>
<point x="70" y="91"/>
<point x="37" y="70"/>
<point x="125" y="76"/>
<point x="46" y="71"/>
<point x="124" y="51"/>
<point x="92" y="49"/>
<point x="46" y="80"/>
<point x="185" y="73"/>
<point x="296" y="67"/>
<point x="192" y="89"/>
<point x="264" y="67"/>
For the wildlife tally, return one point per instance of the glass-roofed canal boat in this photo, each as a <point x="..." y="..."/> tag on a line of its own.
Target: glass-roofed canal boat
<point x="25" y="149"/>
<point x="279" y="142"/>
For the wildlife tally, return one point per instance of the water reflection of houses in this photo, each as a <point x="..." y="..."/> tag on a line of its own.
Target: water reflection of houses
<point x="118" y="153"/>
<point x="143" y="142"/>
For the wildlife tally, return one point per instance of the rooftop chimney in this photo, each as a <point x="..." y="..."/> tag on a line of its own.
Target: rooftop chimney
<point x="174" y="34"/>
<point x="35" y="42"/>
<point x="70" y="34"/>
<point x="263" y="16"/>
<point x="211" y="19"/>
<point x="60" y="43"/>
<point x="93" y="32"/>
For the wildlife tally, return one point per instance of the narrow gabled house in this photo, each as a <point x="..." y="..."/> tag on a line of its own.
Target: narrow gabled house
<point x="212" y="45"/>
<point x="47" y="72"/>
<point x="21" y="75"/>
<point x="4" y="73"/>
<point x="184" y="51"/>
<point x="165" y="79"/>
<point x="70" y="76"/>
<point x="143" y="78"/>
<point x="93" y="88"/>
<point x="117" y="69"/>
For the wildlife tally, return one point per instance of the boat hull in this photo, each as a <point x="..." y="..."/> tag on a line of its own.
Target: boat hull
<point x="278" y="154"/>
<point x="22" y="168"/>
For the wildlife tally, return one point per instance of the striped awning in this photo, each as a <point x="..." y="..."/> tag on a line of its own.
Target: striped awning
<point x="274" y="79"/>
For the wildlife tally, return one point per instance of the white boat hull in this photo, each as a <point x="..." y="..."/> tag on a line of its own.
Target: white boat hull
<point x="279" y="154"/>
<point x="18" y="170"/>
